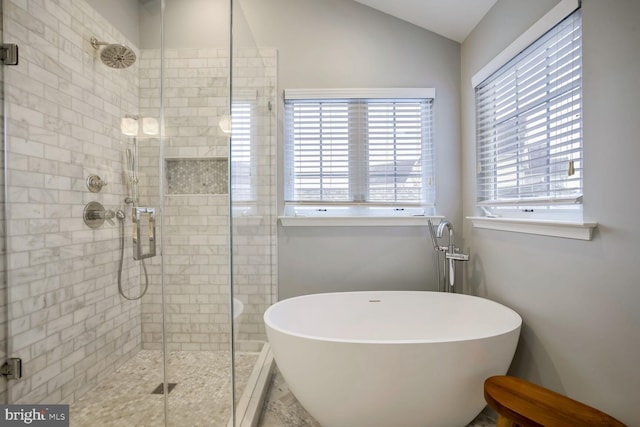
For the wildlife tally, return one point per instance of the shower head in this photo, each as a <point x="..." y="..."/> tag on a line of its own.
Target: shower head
<point x="114" y="55"/>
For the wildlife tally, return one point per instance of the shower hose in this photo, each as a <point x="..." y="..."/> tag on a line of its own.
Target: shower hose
<point x="121" y="217"/>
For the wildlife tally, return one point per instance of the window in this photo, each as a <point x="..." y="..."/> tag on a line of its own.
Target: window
<point x="529" y="128"/>
<point x="359" y="154"/>
<point x="242" y="166"/>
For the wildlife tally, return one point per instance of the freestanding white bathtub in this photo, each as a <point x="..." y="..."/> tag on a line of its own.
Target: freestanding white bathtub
<point x="391" y="359"/>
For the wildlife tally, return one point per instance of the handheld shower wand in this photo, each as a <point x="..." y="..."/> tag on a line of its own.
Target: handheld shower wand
<point x="131" y="174"/>
<point x="132" y="180"/>
<point x="433" y="236"/>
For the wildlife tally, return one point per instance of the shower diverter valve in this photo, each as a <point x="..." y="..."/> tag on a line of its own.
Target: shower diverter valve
<point x="95" y="183"/>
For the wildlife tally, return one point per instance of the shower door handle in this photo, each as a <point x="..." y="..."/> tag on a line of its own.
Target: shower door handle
<point x="12" y="368"/>
<point x="144" y="233"/>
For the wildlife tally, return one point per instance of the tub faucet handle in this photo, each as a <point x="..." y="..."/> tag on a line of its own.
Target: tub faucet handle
<point x="457" y="256"/>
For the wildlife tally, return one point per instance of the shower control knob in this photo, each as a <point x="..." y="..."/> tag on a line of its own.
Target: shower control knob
<point x="95" y="215"/>
<point x="109" y="215"/>
<point x="95" y="183"/>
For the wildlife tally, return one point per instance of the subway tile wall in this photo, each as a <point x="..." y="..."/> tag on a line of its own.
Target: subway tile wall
<point x="67" y="321"/>
<point x="196" y="226"/>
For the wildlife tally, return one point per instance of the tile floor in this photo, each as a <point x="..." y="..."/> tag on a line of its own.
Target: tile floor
<point x="203" y="378"/>
<point x="281" y="409"/>
<point x="124" y="399"/>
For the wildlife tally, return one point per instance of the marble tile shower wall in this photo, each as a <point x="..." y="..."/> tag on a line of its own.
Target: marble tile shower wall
<point x="67" y="321"/>
<point x="195" y="230"/>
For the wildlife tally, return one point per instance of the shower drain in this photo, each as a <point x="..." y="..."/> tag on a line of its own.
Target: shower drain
<point x="160" y="388"/>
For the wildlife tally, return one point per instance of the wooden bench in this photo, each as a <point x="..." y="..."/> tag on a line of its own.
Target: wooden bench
<point x="520" y="403"/>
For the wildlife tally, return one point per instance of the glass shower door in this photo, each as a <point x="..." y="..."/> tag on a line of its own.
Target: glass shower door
<point x="252" y="175"/>
<point x="4" y="325"/>
<point x="201" y="155"/>
<point x="193" y="71"/>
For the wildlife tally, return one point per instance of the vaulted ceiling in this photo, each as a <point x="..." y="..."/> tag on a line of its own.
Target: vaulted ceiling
<point x="453" y="19"/>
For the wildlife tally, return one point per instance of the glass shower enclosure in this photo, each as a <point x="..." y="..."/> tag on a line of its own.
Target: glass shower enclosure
<point x="138" y="220"/>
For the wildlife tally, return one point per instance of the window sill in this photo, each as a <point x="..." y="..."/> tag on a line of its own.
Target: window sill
<point x="565" y="229"/>
<point x="354" y="221"/>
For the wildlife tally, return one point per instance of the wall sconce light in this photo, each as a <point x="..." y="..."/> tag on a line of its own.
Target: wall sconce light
<point x="129" y="125"/>
<point x="225" y="124"/>
<point x="150" y="126"/>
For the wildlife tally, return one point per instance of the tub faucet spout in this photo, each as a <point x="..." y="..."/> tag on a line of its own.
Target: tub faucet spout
<point x="439" y="233"/>
<point x="451" y="253"/>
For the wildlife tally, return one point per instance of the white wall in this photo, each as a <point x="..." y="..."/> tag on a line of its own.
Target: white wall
<point x="578" y="299"/>
<point x="340" y="43"/>
<point x="187" y="24"/>
<point x="122" y="14"/>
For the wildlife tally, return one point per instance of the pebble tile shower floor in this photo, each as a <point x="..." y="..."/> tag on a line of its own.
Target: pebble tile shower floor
<point x="200" y="398"/>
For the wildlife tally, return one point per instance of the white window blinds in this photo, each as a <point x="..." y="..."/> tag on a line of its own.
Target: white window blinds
<point x="529" y="124"/>
<point x="242" y="162"/>
<point x="359" y="151"/>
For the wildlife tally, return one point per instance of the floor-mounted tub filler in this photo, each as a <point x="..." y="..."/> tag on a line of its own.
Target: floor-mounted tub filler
<point x="396" y="358"/>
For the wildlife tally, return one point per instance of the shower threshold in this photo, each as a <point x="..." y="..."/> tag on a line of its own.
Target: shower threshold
<point x="249" y="408"/>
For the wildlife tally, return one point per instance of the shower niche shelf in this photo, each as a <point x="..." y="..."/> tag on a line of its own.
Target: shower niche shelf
<point x="197" y="175"/>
